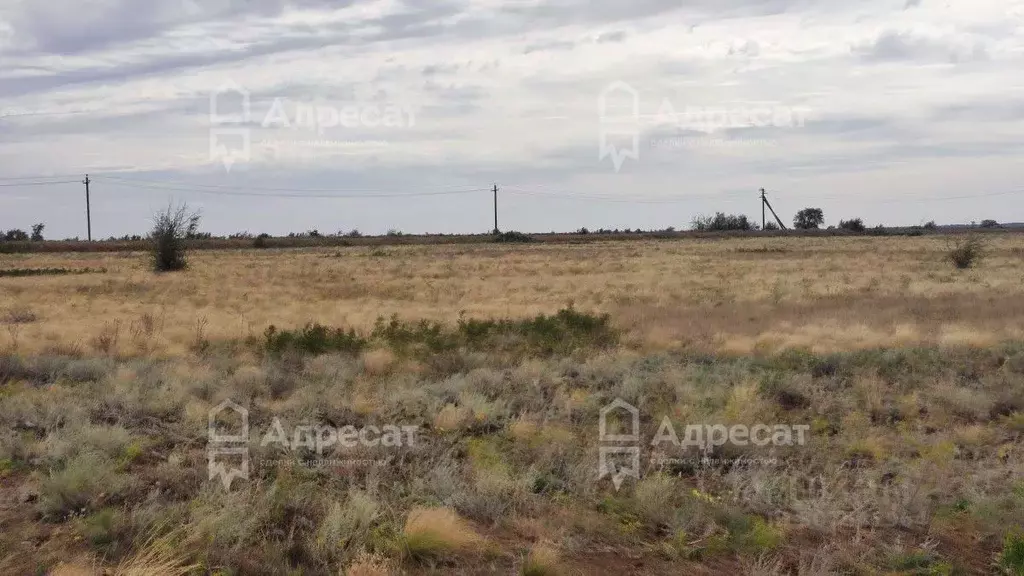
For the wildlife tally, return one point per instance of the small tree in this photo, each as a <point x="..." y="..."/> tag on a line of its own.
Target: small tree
<point x="855" y="225"/>
<point x="769" y="226"/>
<point x="966" y="252"/>
<point x="809" y="219"/>
<point x="16" y="235"/>
<point x="171" y="228"/>
<point x="989" y="224"/>
<point x="37" y="232"/>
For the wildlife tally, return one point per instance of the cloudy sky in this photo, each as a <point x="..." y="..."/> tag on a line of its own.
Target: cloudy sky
<point x="400" y="114"/>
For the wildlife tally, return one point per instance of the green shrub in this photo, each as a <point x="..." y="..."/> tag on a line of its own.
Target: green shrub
<point x="84" y="481"/>
<point x="313" y="339"/>
<point x="513" y="236"/>
<point x="1011" y="560"/>
<point x="854" y="225"/>
<point x="171" y="228"/>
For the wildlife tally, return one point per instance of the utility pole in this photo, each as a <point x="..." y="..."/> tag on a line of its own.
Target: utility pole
<point x="88" y="212"/>
<point x="763" y="200"/>
<point x="496" y="208"/>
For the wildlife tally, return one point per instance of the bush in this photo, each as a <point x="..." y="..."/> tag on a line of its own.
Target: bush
<point x="260" y="241"/>
<point x="855" y="225"/>
<point x="512" y="236"/>
<point x="721" y="221"/>
<point x="313" y="339"/>
<point x="15" y="236"/>
<point x="966" y="252"/>
<point x="171" y="229"/>
<point x="1011" y="560"/>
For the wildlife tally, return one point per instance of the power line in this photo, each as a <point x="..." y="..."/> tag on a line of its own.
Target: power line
<point x="294" y="194"/>
<point x="18" y="184"/>
<point x="449" y="187"/>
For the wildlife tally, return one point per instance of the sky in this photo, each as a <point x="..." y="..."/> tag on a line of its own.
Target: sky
<point x="284" y="116"/>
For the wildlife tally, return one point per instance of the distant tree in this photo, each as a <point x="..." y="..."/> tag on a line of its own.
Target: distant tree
<point x="16" y="235"/>
<point x="37" y="232"/>
<point x="930" y="225"/>
<point x="854" y="225"/>
<point x="354" y="234"/>
<point x="314" y="233"/>
<point x="989" y="224"/>
<point x="769" y="226"/>
<point x="583" y="231"/>
<point x="721" y="221"/>
<point x="809" y="219"/>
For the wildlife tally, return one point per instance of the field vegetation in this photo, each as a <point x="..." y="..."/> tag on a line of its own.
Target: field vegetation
<point x="906" y="369"/>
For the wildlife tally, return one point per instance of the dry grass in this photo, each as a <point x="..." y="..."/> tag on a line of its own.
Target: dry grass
<point x="908" y="373"/>
<point x="719" y="295"/>
<point x="437" y="533"/>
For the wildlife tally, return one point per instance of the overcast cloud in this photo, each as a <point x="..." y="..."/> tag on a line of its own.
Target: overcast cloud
<point x="869" y="109"/>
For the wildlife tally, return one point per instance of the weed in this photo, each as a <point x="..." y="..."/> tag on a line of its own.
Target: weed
<point x="1011" y="559"/>
<point x="966" y="252"/>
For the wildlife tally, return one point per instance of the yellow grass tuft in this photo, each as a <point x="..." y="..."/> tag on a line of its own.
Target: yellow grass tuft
<point x="543" y="560"/>
<point x="449" y="418"/>
<point x="438" y="532"/>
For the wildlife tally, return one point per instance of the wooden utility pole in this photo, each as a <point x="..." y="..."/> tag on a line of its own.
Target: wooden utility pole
<point x="764" y="202"/>
<point x="88" y="211"/>
<point x="496" y="208"/>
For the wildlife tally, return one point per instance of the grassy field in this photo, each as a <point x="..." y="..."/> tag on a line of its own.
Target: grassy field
<point x="493" y="365"/>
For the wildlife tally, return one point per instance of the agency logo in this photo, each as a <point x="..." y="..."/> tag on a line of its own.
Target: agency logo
<point x="230" y="112"/>
<point x="227" y="453"/>
<point x="619" y="453"/>
<point x="618" y="110"/>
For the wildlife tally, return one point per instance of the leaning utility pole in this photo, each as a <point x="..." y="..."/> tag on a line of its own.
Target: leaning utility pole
<point x="764" y="202"/>
<point x="88" y="213"/>
<point x="496" y="208"/>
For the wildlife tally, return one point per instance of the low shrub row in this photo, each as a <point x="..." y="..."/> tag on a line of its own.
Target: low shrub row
<point x="561" y="333"/>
